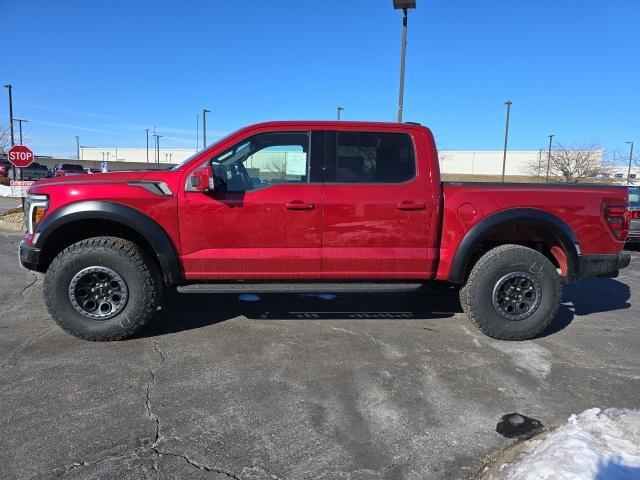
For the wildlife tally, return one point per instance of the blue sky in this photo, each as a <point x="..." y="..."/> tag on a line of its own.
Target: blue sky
<point x="107" y="70"/>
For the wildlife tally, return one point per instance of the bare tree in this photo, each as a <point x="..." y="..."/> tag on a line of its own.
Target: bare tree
<point x="573" y="164"/>
<point x="5" y="138"/>
<point x="278" y="164"/>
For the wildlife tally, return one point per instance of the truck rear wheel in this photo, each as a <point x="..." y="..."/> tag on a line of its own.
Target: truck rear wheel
<point x="102" y="288"/>
<point x="512" y="293"/>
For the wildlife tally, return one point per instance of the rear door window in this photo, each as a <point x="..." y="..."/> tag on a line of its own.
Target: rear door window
<point x="372" y="157"/>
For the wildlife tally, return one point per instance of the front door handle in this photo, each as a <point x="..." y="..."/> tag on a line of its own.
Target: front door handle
<point x="299" y="205"/>
<point x="408" y="205"/>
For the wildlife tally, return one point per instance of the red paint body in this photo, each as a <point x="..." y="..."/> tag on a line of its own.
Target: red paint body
<point x="408" y="230"/>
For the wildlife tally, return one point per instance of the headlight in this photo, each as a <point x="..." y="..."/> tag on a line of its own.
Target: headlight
<point x="35" y="206"/>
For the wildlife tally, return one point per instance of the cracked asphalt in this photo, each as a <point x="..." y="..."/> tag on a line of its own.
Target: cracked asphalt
<point x="352" y="386"/>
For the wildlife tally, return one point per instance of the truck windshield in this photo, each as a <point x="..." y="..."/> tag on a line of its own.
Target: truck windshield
<point x="187" y="160"/>
<point x="634" y="196"/>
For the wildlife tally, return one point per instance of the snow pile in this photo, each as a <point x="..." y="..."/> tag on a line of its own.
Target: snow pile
<point x="593" y="445"/>
<point x="5" y="191"/>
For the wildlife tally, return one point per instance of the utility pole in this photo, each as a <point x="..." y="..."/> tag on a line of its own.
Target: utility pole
<point x="549" y="157"/>
<point x="404" y="5"/>
<point x="539" y="162"/>
<point x="146" y="131"/>
<point x="506" y="138"/>
<point x="630" y="160"/>
<point x="197" y="130"/>
<point x="340" y="109"/>
<point x="157" y="138"/>
<point x="20" y="122"/>
<point x="9" y="87"/>
<point x="78" y="148"/>
<point x="204" y="126"/>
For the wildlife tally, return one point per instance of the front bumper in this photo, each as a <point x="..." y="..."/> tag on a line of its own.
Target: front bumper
<point x="607" y="265"/>
<point x="29" y="256"/>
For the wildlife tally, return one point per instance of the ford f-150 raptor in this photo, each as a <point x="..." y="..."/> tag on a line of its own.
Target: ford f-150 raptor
<point x="309" y="202"/>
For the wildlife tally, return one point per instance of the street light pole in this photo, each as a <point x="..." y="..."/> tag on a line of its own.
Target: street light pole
<point x="9" y="87"/>
<point x="158" y="137"/>
<point x="78" y="148"/>
<point x="549" y="157"/>
<point x="340" y="109"/>
<point x="539" y="162"/>
<point x="403" y="5"/>
<point x="630" y="160"/>
<point x="146" y="131"/>
<point x="506" y="138"/>
<point x="20" y="122"/>
<point x="204" y="126"/>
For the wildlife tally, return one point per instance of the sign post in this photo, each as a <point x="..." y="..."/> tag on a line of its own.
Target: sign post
<point x="20" y="156"/>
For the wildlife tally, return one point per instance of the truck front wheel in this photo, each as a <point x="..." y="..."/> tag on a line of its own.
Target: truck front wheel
<point x="102" y="288"/>
<point x="512" y="293"/>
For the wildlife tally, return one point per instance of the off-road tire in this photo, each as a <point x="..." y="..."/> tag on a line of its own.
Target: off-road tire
<point x="142" y="277"/>
<point x="476" y="296"/>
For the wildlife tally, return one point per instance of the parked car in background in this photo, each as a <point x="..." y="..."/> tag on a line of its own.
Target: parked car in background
<point x="634" y="211"/>
<point x="92" y="170"/>
<point x="66" y="169"/>
<point x="35" y="172"/>
<point x="5" y="166"/>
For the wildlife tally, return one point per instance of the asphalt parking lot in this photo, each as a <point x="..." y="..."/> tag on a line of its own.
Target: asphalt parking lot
<point x="8" y="204"/>
<point x="285" y="386"/>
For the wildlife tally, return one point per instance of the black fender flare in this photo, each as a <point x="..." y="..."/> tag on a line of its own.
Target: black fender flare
<point x="512" y="217"/>
<point x="136" y="220"/>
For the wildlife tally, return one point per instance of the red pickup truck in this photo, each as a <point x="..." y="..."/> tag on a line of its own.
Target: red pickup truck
<point x="311" y="202"/>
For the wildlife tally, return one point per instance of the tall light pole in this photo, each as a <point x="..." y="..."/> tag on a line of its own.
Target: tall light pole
<point x="506" y="139"/>
<point x="539" y="162"/>
<point x="340" y="109"/>
<point x="630" y="160"/>
<point x="197" y="130"/>
<point x="146" y="132"/>
<point x="158" y="137"/>
<point x="78" y="148"/>
<point x="20" y="122"/>
<point x="9" y="87"/>
<point x="549" y="157"/>
<point x="403" y="5"/>
<point x="204" y="126"/>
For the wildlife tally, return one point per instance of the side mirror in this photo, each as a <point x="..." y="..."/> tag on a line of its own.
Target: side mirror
<point x="202" y="179"/>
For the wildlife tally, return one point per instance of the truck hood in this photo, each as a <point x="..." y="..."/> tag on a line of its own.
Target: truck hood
<point x="88" y="178"/>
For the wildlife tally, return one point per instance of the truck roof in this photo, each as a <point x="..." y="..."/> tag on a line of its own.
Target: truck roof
<point x="336" y="123"/>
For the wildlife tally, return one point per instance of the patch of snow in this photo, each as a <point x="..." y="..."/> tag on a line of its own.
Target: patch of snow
<point x="249" y="297"/>
<point x="594" y="445"/>
<point x="5" y="191"/>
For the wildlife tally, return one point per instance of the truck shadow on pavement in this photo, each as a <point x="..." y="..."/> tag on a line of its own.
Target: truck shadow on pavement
<point x="589" y="296"/>
<point x="197" y="310"/>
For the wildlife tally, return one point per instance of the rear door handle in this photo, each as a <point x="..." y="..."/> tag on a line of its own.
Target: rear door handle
<point x="299" y="205"/>
<point x="408" y="205"/>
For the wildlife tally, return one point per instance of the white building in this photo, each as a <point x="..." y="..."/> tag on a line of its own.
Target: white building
<point x="480" y="162"/>
<point x="489" y="162"/>
<point x="120" y="154"/>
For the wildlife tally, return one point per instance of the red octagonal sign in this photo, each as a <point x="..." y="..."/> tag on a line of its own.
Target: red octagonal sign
<point x="20" y="156"/>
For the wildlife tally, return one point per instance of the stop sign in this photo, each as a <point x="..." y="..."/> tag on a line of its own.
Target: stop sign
<point x="20" y="156"/>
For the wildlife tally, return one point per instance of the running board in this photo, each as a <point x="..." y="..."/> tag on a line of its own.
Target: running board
<point x="293" y="287"/>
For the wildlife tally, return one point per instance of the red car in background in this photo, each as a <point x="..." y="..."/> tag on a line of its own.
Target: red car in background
<point x="5" y="166"/>
<point x="67" y="169"/>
